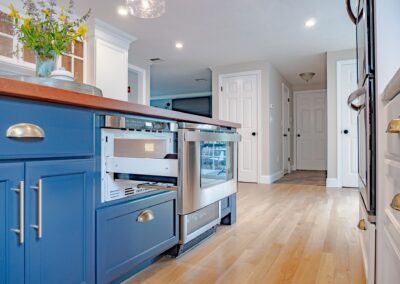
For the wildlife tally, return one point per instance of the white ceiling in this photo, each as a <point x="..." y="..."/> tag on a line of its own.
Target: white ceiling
<point x="220" y="32"/>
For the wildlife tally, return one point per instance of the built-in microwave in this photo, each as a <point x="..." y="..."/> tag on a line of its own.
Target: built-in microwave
<point x="138" y="155"/>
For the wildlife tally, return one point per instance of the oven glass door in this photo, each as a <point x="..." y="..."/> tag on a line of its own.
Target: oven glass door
<point x="216" y="163"/>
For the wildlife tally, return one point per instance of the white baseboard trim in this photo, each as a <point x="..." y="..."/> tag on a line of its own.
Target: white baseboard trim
<point x="269" y="179"/>
<point x="332" y="182"/>
<point x="292" y="168"/>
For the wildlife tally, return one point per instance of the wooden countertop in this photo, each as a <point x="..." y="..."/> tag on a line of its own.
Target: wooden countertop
<point x="36" y="92"/>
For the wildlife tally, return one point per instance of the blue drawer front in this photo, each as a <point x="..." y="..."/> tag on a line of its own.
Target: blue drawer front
<point x="68" y="132"/>
<point x="123" y="242"/>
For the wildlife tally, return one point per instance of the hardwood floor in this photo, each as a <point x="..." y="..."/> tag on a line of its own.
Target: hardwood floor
<point x="286" y="233"/>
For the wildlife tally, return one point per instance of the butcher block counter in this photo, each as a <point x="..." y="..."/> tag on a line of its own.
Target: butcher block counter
<point x="36" y="92"/>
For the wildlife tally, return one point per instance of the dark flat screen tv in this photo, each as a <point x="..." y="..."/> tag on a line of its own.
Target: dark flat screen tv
<point x="199" y="106"/>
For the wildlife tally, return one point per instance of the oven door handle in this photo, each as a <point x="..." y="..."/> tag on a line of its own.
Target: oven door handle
<point x="194" y="136"/>
<point x="354" y="96"/>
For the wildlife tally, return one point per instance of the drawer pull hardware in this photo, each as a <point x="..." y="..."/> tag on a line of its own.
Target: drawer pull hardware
<point x="396" y="202"/>
<point x="145" y="216"/>
<point x="21" y="230"/>
<point x="25" y="130"/>
<point x="39" y="226"/>
<point x="394" y="126"/>
<point x="361" y="225"/>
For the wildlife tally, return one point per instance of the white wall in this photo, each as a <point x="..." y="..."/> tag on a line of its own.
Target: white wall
<point x="271" y="127"/>
<point x="332" y="59"/>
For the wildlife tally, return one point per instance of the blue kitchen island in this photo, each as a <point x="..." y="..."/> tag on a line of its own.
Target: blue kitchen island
<point x="54" y="227"/>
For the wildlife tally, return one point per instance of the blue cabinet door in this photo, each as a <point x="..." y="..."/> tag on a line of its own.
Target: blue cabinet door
<point x="11" y="244"/>
<point x="60" y="226"/>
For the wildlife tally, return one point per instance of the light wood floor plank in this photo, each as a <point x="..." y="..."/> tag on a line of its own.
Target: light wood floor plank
<point x="286" y="233"/>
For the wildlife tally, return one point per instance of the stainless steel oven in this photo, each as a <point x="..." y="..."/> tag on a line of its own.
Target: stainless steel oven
<point x="208" y="173"/>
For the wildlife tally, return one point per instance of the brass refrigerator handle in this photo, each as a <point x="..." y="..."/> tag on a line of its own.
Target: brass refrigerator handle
<point x="25" y="130"/>
<point x="394" y="126"/>
<point x="395" y="204"/>
<point x="362" y="225"/>
<point x="21" y="230"/>
<point x="39" y="226"/>
<point x="145" y="216"/>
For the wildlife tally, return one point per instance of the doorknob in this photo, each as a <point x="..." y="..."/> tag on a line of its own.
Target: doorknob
<point x="298" y="135"/>
<point x="285" y="135"/>
<point x="346" y="131"/>
<point x="253" y="133"/>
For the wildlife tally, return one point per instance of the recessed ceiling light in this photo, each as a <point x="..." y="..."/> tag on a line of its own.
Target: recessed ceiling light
<point x="123" y="11"/>
<point x="179" y="45"/>
<point x="310" y="23"/>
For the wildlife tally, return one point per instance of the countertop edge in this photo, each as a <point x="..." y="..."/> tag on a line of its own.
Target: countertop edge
<point x="36" y="92"/>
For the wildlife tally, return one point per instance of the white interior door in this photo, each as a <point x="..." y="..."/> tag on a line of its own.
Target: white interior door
<point x="286" y="128"/>
<point x="349" y="135"/>
<point x="238" y="103"/>
<point x="311" y="131"/>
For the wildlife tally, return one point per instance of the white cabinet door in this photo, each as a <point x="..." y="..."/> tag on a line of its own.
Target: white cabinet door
<point x="347" y="83"/>
<point x="238" y="103"/>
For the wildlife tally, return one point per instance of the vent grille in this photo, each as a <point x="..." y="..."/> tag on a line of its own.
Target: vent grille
<point x="129" y="191"/>
<point x="156" y="60"/>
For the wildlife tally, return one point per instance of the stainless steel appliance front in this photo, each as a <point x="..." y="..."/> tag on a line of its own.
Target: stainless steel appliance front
<point x="208" y="165"/>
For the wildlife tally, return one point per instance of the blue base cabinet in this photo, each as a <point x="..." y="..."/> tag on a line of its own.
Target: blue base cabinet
<point x="56" y="201"/>
<point x="61" y="249"/>
<point x="12" y="246"/>
<point x="131" y="233"/>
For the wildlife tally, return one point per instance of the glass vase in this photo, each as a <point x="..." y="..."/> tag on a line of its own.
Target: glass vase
<point x="45" y="64"/>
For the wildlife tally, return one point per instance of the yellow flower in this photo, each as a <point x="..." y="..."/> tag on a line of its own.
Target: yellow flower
<point x="83" y="30"/>
<point x="14" y="13"/>
<point x="27" y="23"/>
<point x="62" y="18"/>
<point x="46" y="12"/>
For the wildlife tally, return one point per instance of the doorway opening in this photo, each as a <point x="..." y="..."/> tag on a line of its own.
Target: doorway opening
<point x="137" y="85"/>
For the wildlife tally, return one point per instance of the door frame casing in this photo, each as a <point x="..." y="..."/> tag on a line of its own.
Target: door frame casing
<point x="142" y="77"/>
<point x="295" y="104"/>
<point x="258" y="74"/>
<point x="339" y="153"/>
<point x="287" y="115"/>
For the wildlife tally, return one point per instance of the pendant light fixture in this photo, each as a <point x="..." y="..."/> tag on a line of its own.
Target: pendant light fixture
<point x="145" y="9"/>
<point x="307" y="76"/>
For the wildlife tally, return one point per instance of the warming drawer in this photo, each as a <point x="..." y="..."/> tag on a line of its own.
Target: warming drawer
<point x="133" y="232"/>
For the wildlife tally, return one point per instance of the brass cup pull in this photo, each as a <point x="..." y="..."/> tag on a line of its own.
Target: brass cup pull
<point x="145" y="216"/>
<point x="394" y="126"/>
<point x="361" y="225"/>
<point x="396" y="202"/>
<point x="25" y="130"/>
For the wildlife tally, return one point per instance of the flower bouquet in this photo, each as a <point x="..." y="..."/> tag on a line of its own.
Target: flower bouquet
<point x="47" y="30"/>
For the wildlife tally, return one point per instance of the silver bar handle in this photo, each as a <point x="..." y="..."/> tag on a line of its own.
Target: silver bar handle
<point x="25" y="130"/>
<point x="354" y="96"/>
<point x="21" y="230"/>
<point x="196" y="136"/>
<point x="39" y="226"/>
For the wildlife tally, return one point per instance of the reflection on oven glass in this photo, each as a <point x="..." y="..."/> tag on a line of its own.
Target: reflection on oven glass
<point x="216" y="163"/>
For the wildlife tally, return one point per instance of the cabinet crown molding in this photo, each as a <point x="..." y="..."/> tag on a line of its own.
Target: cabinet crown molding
<point x="109" y="33"/>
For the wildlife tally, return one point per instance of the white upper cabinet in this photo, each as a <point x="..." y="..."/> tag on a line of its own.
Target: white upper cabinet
<point x="107" y="59"/>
